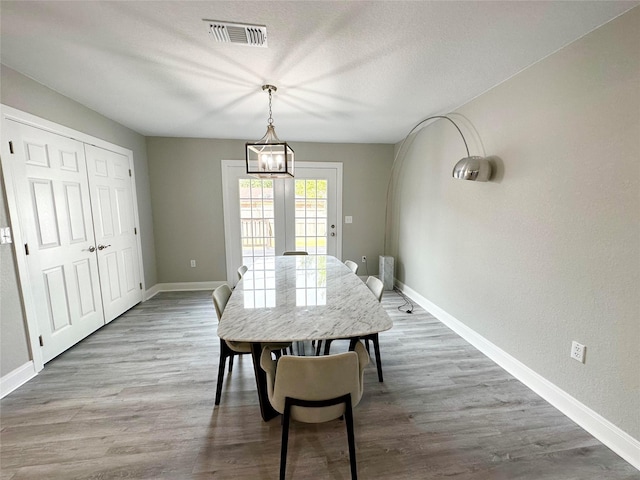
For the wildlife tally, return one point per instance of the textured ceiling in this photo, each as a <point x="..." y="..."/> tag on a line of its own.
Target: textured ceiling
<point x="346" y="71"/>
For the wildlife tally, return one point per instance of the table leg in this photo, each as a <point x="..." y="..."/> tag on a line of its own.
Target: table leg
<point x="266" y="410"/>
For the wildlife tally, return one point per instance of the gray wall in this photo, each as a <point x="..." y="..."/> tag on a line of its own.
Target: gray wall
<point x="22" y="93"/>
<point x="549" y="252"/>
<point x="186" y="195"/>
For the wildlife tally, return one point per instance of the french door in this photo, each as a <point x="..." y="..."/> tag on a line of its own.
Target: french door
<point x="265" y="217"/>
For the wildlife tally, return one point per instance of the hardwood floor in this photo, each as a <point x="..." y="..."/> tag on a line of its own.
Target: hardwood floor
<point x="135" y="400"/>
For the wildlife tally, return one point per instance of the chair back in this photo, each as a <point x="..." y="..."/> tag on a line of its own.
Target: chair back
<point x="352" y="265"/>
<point x="295" y="253"/>
<point x="376" y="286"/>
<point x="315" y="378"/>
<point x="241" y="271"/>
<point x="221" y="296"/>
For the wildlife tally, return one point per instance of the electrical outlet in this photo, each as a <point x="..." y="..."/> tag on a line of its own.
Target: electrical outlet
<point x="364" y="259"/>
<point x="577" y="351"/>
<point x="193" y="263"/>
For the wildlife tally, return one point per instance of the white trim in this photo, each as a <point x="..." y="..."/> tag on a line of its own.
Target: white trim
<point x="609" y="434"/>
<point x="152" y="292"/>
<point x="17" y="378"/>
<point x="183" y="287"/>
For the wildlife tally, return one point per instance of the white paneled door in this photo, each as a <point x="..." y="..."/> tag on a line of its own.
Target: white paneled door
<point x="50" y="181"/>
<point x="75" y="211"/>
<point x="114" y="226"/>
<point x="265" y="217"/>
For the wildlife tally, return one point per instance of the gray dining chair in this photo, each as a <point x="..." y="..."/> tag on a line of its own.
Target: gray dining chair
<point x="241" y="271"/>
<point x="353" y="266"/>
<point x="377" y="288"/>
<point x="296" y="252"/>
<point x="316" y="390"/>
<point x="229" y="349"/>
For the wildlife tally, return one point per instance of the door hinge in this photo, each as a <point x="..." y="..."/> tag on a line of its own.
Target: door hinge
<point x="135" y="231"/>
<point x="140" y="286"/>
<point x="41" y="341"/>
<point x="129" y="172"/>
<point x="10" y="146"/>
<point x="26" y="249"/>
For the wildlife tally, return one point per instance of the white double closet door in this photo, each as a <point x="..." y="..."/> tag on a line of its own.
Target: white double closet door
<point x="75" y="209"/>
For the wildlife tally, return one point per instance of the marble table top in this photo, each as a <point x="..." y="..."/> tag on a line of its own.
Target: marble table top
<point x="297" y="298"/>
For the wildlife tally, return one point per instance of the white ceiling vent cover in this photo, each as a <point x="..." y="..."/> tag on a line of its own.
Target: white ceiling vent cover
<point x="238" y="33"/>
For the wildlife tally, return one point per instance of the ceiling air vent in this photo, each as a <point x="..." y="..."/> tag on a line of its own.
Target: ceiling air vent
<point x="238" y="33"/>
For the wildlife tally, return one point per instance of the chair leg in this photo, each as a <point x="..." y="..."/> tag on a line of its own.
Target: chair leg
<point x="318" y="348"/>
<point x="230" y="363"/>
<point x="285" y="438"/>
<point x="327" y="346"/>
<point x="348" y="415"/>
<point x="376" y="348"/>
<point x="221" y="365"/>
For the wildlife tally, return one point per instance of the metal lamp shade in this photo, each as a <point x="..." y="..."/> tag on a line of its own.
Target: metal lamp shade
<point x="269" y="157"/>
<point x="473" y="168"/>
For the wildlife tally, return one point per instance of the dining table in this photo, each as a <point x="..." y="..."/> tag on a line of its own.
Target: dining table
<point x="298" y="299"/>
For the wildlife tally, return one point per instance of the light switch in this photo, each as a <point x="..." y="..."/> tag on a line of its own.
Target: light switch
<point x="5" y="235"/>
<point x="348" y="219"/>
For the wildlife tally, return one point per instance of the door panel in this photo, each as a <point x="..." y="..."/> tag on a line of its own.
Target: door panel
<point x="312" y="211"/>
<point x="50" y="181"/>
<point x="75" y="209"/>
<point x="83" y="274"/>
<point x="111" y="190"/>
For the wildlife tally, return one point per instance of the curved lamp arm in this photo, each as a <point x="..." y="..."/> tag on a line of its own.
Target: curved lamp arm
<point x="473" y="168"/>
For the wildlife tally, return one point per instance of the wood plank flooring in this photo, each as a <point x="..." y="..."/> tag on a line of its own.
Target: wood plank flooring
<point x="135" y="400"/>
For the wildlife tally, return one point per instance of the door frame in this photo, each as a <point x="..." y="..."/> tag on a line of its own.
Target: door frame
<point x="224" y="164"/>
<point x="8" y="113"/>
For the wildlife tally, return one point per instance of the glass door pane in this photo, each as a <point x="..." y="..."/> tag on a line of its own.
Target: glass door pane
<point x="257" y="218"/>
<point x="310" y="215"/>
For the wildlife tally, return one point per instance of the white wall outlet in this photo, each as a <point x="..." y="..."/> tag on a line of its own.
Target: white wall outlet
<point x="193" y="263"/>
<point x="364" y="259"/>
<point x="577" y="351"/>
<point x="348" y="219"/>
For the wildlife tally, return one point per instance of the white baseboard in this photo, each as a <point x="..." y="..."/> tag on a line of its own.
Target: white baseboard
<point x="181" y="287"/>
<point x="17" y="378"/>
<point x="612" y="436"/>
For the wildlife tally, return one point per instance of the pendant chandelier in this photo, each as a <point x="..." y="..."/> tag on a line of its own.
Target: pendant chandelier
<point x="269" y="157"/>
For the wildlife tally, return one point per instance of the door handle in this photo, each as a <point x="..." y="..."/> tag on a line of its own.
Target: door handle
<point x="102" y="247"/>
<point x="333" y="234"/>
<point x="92" y="249"/>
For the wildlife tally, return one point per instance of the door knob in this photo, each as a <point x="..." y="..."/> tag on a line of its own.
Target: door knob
<point x="92" y="249"/>
<point x="102" y="247"/>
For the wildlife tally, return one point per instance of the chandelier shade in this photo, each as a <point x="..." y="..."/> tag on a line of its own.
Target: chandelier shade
<point x="269" y="157"/>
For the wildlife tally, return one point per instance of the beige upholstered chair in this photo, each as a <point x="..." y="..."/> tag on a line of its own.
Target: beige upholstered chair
<point x="377" y="287"/>
<point x="295" y="253"/>
<point x="229" y="349"/>
<point x="316" y="390"/>
<point x="352" y="265"/>
<point x="241" y="271"/>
